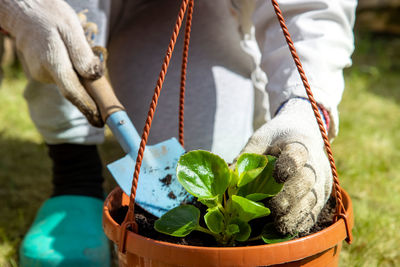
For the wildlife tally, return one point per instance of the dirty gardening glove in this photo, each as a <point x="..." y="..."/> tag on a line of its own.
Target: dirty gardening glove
<point x="53" y="48"/>
<point x="294" y="137"/>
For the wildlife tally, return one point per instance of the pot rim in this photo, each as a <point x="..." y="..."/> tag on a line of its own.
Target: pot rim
<point x="267" y="254"/>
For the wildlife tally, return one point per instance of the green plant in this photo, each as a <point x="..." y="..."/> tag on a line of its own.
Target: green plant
<point x="232" y="197"/>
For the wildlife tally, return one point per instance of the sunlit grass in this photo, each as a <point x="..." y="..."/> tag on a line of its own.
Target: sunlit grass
<point x="368" y="151"/>
<point x="24" y="167"/>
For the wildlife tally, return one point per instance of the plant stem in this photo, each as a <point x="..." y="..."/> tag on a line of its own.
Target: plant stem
<point x="224" y="203"/>
<point x="254" y="238"/>
<point x="205" y="230"/>
<point x="221" y="208"/>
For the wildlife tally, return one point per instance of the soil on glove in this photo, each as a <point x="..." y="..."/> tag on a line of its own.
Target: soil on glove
<point x="146" y="221"/>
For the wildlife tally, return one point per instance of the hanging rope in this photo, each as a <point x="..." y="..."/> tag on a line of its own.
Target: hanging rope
<point x="340" y="211"/>
<point x="129" y="220"/>
<point x="183" y="72"/>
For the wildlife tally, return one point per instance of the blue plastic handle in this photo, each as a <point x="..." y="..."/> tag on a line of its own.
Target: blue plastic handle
<point x="125" y="132"/>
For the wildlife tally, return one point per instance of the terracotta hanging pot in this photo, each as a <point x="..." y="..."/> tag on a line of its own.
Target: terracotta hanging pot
<point x="318" y="249"/>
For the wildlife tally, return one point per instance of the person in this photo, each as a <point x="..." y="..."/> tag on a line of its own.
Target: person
<point x="243" y="95"/>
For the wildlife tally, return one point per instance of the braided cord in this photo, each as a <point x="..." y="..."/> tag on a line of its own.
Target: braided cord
<point x="183" y="71"/>
<point x="130" y="215"/>
<point x="337" y="189"/>
<point x="129" y="219"/>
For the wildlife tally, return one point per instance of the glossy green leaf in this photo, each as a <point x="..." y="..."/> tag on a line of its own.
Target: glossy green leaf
<point x="247" y="210"/>
<point x="203" y="174"/>
<point x="257" y="196"/>
<point x="244" y="229"/>
<point x="249" y="166"/>
<point x="211" y="202"/>
<point x="214" y="220"/>
<point x="179" y="221"/>
<point x="232" y="229"/>
<point x="270" y="235"/>
<point x="264" y="184"/>
<point x="234" y="178"/>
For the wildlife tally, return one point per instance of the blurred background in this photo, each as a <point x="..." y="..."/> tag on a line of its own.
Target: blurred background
<point x="367" y="150"/>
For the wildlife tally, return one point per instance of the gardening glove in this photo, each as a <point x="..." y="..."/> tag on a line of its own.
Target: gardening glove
<point x="294" y="138"/>
<point x="53" y="48"/>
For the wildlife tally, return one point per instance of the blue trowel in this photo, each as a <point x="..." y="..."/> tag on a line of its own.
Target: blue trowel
<point x="158" y="188"/>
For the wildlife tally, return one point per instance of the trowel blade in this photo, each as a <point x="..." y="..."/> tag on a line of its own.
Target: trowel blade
<point x="158" y="188"/>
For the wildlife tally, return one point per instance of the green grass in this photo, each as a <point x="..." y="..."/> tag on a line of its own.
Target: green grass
<point x="367" y="153"/>
<point x="25" y="168"/>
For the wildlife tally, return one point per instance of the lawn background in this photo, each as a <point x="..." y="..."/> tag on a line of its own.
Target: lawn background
<point x="367" y="153"/>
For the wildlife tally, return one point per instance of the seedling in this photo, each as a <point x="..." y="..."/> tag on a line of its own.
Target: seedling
<point x="232" y="197"/>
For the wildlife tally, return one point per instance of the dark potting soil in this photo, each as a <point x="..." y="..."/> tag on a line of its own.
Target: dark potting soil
<point x="146" y="221"/>
<point x="325" y="218"/>
<point x="166" y="180"/>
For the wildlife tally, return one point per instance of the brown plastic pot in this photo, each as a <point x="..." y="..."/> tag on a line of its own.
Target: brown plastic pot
<point x="319" y="249"/>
